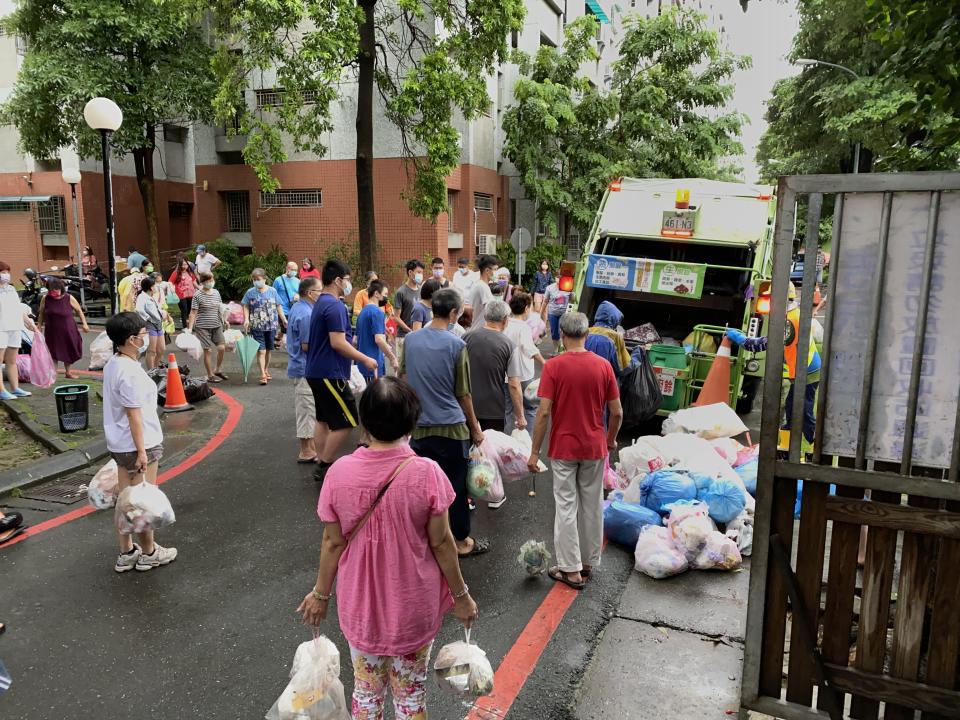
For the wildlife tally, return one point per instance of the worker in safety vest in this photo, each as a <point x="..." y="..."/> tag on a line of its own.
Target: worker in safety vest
<point x="791" y="344"/>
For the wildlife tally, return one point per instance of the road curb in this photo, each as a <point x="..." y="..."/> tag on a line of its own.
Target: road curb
<point x="66" y="460"/>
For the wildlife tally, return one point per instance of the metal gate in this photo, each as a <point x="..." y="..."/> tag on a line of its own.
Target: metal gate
<point x="881" y="641"/>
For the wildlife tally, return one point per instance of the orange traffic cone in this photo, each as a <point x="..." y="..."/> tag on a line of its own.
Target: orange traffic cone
<point x="817" y="296"/>
<point x="716" y="388"/>
<point x="176" y="398"/>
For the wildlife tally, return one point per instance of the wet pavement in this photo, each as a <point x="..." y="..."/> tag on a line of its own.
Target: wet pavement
<point x="213" y="635"/>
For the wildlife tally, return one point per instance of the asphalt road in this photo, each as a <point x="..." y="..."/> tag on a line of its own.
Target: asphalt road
<point x="213" y="635"/>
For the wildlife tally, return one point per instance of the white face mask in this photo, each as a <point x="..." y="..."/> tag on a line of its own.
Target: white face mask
<point x="259" y="284"/>
<point x="209" y="285"/>
<point x="142" y="348"/>
<point x="418" y="278"/>
<point x="347" y="287"/>
<point x="4" y="278"/>
<point x="291" y="273"/>
<point x="464" y="271"/>
<point x="438" y="273"/>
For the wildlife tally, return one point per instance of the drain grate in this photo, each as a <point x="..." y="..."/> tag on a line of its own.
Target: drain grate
<point x="65" y="491"/>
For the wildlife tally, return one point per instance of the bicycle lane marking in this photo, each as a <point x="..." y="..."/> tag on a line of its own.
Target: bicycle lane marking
<point x="521" y="660"/>
<point x="234" y="411"/>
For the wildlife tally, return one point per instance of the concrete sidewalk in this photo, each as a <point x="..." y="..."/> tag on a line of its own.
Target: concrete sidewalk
<point x="673" y="648"/>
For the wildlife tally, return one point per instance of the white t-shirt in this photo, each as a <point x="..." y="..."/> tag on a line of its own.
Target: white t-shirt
<point x="127" y="385"/>
<point x="524" y="348"/>
<point x="479" y="296"/>
<point x="11" y="314"/>
<point x="464" y="282"/>
<point x="206" y="262"/>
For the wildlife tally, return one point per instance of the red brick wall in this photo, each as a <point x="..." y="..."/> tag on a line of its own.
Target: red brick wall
<point x="309" y="232"/>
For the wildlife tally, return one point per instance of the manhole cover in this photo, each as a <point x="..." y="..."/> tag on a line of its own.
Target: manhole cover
<point x="65" y="491"/>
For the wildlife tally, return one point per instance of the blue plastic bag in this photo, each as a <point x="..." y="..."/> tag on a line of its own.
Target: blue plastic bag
<point x="622" y="521"/>
<point x="748" y="473"/>
<point x="725" y="499"/>
<point x="701" y="480"/>
<point x="799" y="502"/>
<point x="663" y="487"/>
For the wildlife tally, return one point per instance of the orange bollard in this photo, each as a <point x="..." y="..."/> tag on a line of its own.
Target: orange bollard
<point x="176" y="398"/>
<point x="716" y="388"/>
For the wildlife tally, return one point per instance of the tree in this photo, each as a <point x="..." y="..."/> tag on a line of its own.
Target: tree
<point x="428" y="60"/>
<point x="816" y="117"/>
<point x="148" y="56"/>
<point x="661" y="117"/>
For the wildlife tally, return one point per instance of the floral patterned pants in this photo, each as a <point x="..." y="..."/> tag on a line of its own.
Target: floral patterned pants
<point x="406" y="676"/>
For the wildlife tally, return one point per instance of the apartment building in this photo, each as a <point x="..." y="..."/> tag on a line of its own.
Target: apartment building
<point x="204" y="190"/>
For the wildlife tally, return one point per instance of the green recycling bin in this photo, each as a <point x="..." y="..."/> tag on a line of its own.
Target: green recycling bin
<point x="667" y="362"/>
<point x="73" y="407"/>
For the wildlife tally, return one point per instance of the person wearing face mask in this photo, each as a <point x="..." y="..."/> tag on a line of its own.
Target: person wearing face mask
<point x="287" y="287"/>
<point x="329" y="357"/>
<point x="206" y="320"/>
<point x="423" y="313"/>
<point x="206" y="262"/>
<point x="262" y="315"/>
<point x="308" y="269"/>
<point x="132" y="430"/>
<point x="464" y="278"/>
<point x="542" y="279"/>
<point x="480" y="295"/>
<point x="55" y="320"/>
<point x="129" y="287"/>
<point x="438" y="269"/>
<point x="372" y="333"/>
<point x="298" y="342"/>
<point x="153" y="316"/>
<point x="408" y="295"/>
<point x="11" y="325"/>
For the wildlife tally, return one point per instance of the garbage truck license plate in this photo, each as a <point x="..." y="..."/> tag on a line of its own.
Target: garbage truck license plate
<point x="678" y="224"/>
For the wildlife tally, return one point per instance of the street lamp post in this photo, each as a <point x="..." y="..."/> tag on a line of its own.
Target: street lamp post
<point x="809" y="62"/>
<point x="103" y="115"/>
<point x="71" y="176"/>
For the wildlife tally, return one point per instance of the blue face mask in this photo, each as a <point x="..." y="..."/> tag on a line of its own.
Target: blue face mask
<point x="258" y="284"/>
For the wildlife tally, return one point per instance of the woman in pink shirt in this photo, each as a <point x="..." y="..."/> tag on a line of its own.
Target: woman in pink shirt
<point x="387" y="541"/>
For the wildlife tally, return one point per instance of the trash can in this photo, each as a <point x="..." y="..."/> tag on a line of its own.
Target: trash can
<point x="667" y="360"/>
<point x="73" y="407"/>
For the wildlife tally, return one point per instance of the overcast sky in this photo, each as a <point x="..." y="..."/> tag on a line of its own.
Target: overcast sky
<point x="765" y="33"/>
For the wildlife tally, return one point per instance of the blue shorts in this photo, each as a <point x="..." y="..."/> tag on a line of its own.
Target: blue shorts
<point x="154" y="333"/>
<point x="554" y="326"/>
<point x="266" y="338"/>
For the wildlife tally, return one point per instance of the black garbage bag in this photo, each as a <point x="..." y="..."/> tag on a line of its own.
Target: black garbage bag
<point x="195" y="389"/>
<point x="639" y="390"/>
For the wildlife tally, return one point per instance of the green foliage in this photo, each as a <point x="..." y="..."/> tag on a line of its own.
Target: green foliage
<point x="545" y="250"/>
<point x="661" y="117"/>
<point x="148" y="56"/>
<point x="902" y="121"/>
<point x="233" y="273"/>
<point x="441" y="53"/>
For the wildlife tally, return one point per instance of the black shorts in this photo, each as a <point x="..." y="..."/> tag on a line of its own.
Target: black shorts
<point x="334" y="403"/>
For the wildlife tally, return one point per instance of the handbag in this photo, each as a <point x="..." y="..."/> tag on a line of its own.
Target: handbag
<point x="366" y="516"/>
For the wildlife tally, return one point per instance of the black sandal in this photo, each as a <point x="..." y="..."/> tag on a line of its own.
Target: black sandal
<point x="558" y="575"/>
<point x="480" y="546"/>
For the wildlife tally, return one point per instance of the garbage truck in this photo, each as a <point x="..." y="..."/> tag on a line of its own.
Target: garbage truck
<point x="689" y="257"/>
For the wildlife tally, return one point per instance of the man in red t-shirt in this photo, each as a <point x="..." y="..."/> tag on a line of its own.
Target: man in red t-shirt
<point x="575" y="389"/>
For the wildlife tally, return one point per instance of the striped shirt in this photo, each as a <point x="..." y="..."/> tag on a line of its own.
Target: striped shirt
<point x="207" y="306"/>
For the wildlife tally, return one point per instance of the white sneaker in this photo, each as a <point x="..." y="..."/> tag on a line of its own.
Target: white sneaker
<point x="127" y="561"/>
<point x="160" y="556"/>
<point x="497" y="505"/>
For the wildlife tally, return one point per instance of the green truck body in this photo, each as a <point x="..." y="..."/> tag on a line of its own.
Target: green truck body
<point x="697" y="269"/>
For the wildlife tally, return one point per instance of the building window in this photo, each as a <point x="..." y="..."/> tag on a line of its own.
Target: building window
<point x="546" y="41"/>
<point x="483" y="202"/>
<point x="291" y="199"/>
<point x="514" y="39"/>
<point x="513" y="215"/>
<point x="51" y="217"/>
<point x="14" y="207"/>
<point x="51" y="165"/>
<point x="238" y="210"/>
<point x="22" y="45"/>
<point x="273" y="97"/>
<point x="452" y="210"/>
<point x="179" y="209"/>
<point x="175" y="134"/>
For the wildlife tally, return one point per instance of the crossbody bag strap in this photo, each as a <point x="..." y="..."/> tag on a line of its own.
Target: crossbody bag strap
<point x="366" y="516"/>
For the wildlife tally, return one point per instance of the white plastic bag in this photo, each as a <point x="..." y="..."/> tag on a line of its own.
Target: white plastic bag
<point x="464" y="670"/>
<point x="656" y="553"/>
<point x="483" y="474"/>
<point x="143" y="507"/>
<point x="314" y="691"/>
<point x="189" y="343"/>
<point x="690" y="525"/>
<point x="531" y="392"/>
<point x="230" y="338"/>
<point x="511" y="452"/>
<point x="357" y="382"/>
<point x="102" y="490"/>
<point x="709" y="421"/>
<point x="641" y="457"/>
<point x="740" y="530"/>
<point x="101" y="350"/>
<point x="534" y="557"/>
<point x="727" y="448"/>
<point x="718" y="553"/>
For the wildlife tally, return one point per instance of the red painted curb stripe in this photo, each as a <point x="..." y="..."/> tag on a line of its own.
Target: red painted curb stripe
<point x="234" y="411"/>
<point x="521" y="660"/>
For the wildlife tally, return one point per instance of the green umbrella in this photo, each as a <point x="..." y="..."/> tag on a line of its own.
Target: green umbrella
<point x="247" y="349"/>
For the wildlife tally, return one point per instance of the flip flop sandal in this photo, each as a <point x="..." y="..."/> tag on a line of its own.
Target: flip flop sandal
<point x="221" y="375"/>
<point x="556" y="574"/>
<point x="263" y="381"/>
<point x="10" y="521"/>
<point x="480" y="546"/>
<point x="10" y="534"/>
<point x="306" y="461"/>
<point x="585" y="574"/>
<point x="214" y="379"/>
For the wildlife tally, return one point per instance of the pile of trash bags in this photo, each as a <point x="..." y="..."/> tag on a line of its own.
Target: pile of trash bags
<point x="686" y="499"/>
